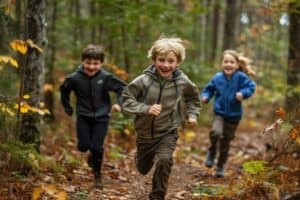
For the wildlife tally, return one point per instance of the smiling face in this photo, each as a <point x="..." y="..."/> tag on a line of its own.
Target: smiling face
<point x="91" y="66"/>
<point x="166" y="64"/>
<point x="229" y="64"/>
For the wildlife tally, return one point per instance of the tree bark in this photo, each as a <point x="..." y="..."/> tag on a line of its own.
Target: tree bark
<point x="49" y="80"/>
<point x="203" y="23"/>
<point x="230" y="24"/>
<point x="125" y="48"/>
<point x="34" y="69"/>
<point x="93" y="14"/>
<point x="293" y="70"/>
<point x="76" y="29"/>
<point x="215" y="30"/>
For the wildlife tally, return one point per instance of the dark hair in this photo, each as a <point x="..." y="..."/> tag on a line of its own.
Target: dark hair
<point x="93" y="52"/>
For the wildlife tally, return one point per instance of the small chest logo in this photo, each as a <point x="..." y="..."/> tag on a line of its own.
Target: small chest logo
<point x="100" y="82"/>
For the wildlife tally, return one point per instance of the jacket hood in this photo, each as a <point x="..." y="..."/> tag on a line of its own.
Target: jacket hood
<point x="151" y="71"/>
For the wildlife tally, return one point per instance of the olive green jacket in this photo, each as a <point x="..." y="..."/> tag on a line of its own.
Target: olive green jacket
<point x="148" y="89"/>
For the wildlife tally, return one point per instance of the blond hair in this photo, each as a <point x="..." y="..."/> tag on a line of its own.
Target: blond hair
<point x="167" y="45"/>
<point x="243" y="62"/>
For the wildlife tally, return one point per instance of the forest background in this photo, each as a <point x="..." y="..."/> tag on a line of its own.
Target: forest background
<point x="41" y="41"/>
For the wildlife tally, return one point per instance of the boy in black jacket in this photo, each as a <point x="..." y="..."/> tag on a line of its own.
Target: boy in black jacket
<point x="91" y="85"/>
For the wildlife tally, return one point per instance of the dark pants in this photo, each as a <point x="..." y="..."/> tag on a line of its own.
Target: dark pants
<point x="221" y="135"/>
<point x="91" y="134"/>
<point x="159" y="150"/>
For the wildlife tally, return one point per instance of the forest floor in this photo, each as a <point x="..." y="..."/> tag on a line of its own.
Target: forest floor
<point x="120" y="178"/>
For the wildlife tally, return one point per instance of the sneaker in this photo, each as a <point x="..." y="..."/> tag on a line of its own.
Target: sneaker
<point x="98" y="182"/>
<point x="220" y="172"/>
<point x="209" y="160"/>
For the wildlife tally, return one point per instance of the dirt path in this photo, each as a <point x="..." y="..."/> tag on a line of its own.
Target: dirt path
<point x="122" y="181"/>
<point x="120" y="177"/>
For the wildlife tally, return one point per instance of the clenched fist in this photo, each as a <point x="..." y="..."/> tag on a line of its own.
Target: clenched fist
<point x="155" y="109"/>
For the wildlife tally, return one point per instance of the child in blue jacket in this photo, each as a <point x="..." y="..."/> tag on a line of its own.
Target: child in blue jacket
<point x="230" y="87"/>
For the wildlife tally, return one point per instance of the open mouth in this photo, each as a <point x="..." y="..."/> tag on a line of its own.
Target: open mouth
<point x="228" y="69"/>
<point x="165" y="70"/>
<point x="91" y="71"/>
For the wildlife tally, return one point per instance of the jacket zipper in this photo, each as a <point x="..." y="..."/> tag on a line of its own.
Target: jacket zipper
<point x="157" y="102"/>
<point x="91" y="97"/>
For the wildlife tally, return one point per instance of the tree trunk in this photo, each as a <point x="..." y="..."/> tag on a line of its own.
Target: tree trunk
<point x="34" y="68"/>
<point x="76" y="29"/>
<point x="93" y="14"/>
<point x="208" y="30"/>
<point x="215" y="30"/>
<point x="20" y="18"/>
<point x="239" y="9"/>
<point x="293" y="71"/>
<point x="202" y="19"/>
<point x="125" y="48"/>
<point x="230" y="24"/>
<point x="49" y="80"/>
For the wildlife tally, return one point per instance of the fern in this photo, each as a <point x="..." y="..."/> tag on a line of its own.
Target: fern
<point x="255" y="167"/>
<point x="25" y="157"/>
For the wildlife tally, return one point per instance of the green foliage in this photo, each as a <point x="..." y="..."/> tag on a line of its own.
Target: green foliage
<point x="116" y="152"/>
<point x="81" y="195"/>
<point x="25" y="157"/>
<point x="208" y="190"/>
<point x="255" y="167"/>
<point x="69" y="159"/>
<point x="121" y="123"/>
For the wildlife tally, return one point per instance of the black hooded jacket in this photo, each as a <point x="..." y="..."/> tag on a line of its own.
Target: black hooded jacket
<point x="92" y="93"/>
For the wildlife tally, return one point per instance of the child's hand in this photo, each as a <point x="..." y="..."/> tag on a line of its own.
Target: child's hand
<point x="155" y="109"/>
<point x="204" y="100"/>
<point x="192" y="122"/>
<point x="239" y="96"/>
<point x="116" y="108"/>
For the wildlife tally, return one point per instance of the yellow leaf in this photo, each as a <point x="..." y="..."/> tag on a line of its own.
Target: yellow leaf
<point x="26" y="96"/>
<point x="34" y="46"/>
<point x="189" y="135"/>
<point x="10" y="112"/>
<point x="293" y="134"/>
<point x="47" y="112"/>
<point x="36" y="193"/>
<point x="8" y="59"/>
<point x="126" y="131"/>
<point x="41" y="112"/>
<point x="298" y="140"/>
<point x="19" y="46"/>
<point x="7" y="9"/>
<point x="62" y="195"/>
<point x="4" y="59"/>
<point x="33" y="109"/>
<point x="50" y="189"/>
<point x="14" y="63"/>
<point x="24" y="109"/>
<point x="41" y="104"/>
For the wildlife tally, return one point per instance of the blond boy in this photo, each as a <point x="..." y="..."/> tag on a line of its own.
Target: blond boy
<point x="154" y="98"/>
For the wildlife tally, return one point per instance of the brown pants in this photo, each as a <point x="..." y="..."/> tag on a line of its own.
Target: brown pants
<point x="159" y="150"/>
<point x="221" y="134"/>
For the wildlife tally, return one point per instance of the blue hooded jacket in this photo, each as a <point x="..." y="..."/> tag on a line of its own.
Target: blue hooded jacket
<point x="224" y="90"/>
